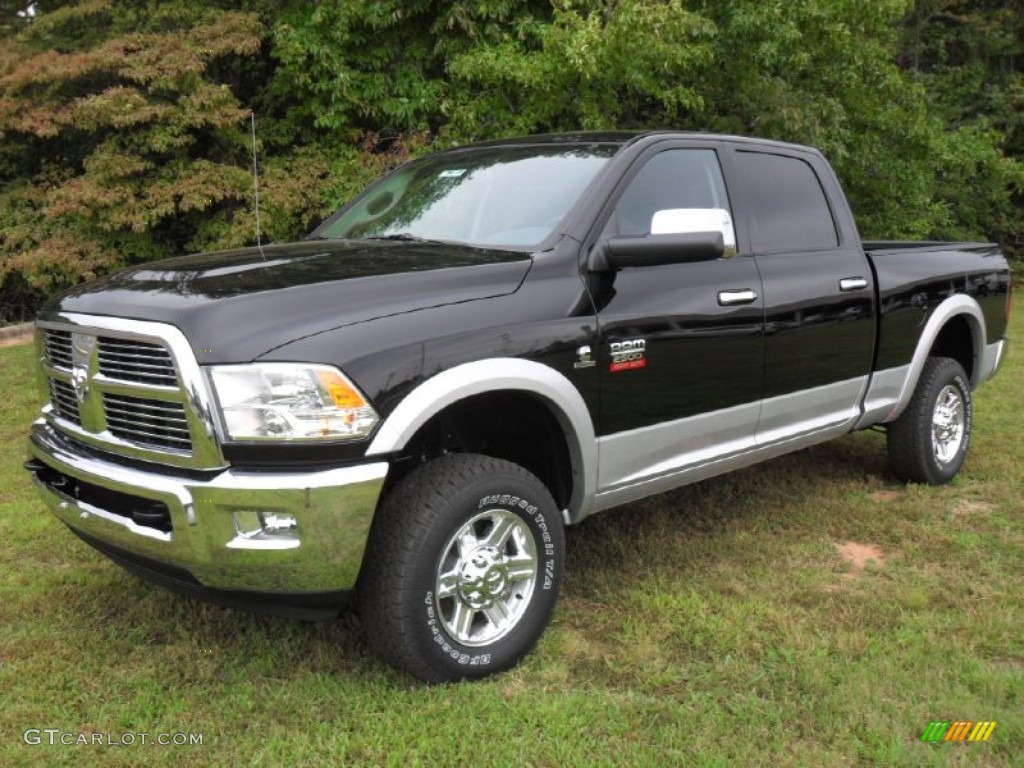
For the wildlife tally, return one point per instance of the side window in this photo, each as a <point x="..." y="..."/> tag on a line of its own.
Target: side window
<point x="788" y="205"/>
<point x="685" y="186"/>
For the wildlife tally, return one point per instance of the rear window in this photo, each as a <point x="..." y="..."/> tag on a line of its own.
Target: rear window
<point x="788" y="206"/>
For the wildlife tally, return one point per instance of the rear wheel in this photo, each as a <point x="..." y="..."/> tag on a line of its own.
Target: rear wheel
<point x="462" y="569"/>
<point x="928" y="442"/>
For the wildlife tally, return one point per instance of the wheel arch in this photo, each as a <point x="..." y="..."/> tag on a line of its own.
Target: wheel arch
<point x="518" y="381"/>
<point x="956" y="329"/>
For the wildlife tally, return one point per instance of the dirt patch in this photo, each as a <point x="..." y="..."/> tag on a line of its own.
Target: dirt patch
<point x="16" y="334"/>
<point x="885" y="496"/>
<point x="858" y="556"/>
<point x="964" y="507"/>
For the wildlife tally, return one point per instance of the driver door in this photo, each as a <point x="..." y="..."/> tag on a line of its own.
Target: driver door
<point x="681" y="346"/>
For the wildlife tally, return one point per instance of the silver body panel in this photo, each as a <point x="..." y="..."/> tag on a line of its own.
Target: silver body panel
<point x="654" y="459"/>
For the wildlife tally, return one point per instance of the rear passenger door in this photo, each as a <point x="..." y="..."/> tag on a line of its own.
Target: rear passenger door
<point x="818" y="292"/>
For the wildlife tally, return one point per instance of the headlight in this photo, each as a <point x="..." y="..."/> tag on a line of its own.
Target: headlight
<point x="290" y="401"/>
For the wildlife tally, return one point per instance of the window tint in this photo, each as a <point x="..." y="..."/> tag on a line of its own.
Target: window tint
<point x="673" y="179"/>
<point x="789" y="209"/>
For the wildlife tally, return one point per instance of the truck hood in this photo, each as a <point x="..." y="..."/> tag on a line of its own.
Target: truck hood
<point x="236" y="305"/>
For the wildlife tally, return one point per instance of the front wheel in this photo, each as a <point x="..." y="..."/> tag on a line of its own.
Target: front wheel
<point x="928" y="442"/>
<point x="462" y="569"/>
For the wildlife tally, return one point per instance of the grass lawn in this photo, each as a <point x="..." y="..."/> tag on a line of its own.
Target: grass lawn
<point x="808" y="611"/>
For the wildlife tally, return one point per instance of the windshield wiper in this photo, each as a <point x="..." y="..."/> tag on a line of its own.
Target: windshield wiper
<point x="407" y="237"/>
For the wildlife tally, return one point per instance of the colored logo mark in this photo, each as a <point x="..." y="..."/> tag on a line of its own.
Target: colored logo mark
<point x="960" y="730"/>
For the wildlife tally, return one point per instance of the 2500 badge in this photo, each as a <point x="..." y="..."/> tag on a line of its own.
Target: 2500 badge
<point x="628" y="355"/>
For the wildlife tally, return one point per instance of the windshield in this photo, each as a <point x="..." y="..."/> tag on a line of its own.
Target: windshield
<point x="494" y="196"/>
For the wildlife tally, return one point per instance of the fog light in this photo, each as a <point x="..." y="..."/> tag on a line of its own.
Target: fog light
<point x="264" y="530"/>
<point x="248" y="522"/>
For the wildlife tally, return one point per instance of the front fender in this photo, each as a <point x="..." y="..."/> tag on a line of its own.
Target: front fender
<point x="495" y="375"/>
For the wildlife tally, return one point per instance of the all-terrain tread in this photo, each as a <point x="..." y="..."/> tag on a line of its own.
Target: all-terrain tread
<point x="910" y="450"/>
<point x="407" y="514"/>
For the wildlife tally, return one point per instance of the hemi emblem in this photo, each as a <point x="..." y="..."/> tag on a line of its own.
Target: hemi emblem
<point x="628" y="355"/>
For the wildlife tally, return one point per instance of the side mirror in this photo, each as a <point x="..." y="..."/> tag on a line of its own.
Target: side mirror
<point x="686" y="220"/>
<point x="656" y="250"/>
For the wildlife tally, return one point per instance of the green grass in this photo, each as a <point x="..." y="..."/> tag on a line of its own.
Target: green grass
<point x="716" y="625"/>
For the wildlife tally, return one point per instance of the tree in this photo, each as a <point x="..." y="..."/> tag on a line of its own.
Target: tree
<point x="121" y="135"/>
<point x="126" y="128"/>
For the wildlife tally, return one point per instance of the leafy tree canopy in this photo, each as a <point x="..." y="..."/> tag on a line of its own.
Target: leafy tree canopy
<point x="125" y="126"/>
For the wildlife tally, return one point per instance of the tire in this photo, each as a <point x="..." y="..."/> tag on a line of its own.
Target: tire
<point x="462" y="568"/>
<point x="928" y="442"/>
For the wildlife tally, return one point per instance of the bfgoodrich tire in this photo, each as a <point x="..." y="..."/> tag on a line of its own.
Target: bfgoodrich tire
<point x="928" y="442"/>
<point x="462" y="569"/>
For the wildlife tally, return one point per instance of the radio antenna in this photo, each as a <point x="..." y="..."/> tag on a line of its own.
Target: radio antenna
<point x="256" y="186"/>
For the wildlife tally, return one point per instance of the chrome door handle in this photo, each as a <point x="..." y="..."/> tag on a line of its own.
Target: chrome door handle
<point x="729" y="298"/>
<point x="853" y="284"/>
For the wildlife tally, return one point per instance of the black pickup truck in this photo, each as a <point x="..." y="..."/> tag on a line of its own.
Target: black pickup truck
<point x="488" y="345"/>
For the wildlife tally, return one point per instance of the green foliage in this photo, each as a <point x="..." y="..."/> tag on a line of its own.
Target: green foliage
<point x="125" y="127"/>
<point x="121" y="142"/>
<point x="371" y="65"/>
<point x="969" y="56"/>
<point x="628" y="64"/>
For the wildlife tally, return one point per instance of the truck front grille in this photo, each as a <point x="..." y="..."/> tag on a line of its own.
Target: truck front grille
<point x="123" y="391"/>
<point x="148" y="422"/>
<point x="58" y="348"/>
<point x="130" y="360"/>
<point x="65" y="404"/>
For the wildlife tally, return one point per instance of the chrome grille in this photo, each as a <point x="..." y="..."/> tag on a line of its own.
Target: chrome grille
<point x="58" y="349"/>
<point x="155" y="423"/>
<point x="65" y="404"/>
<point x="135" y="402"/>
<point x="131" y="360"/>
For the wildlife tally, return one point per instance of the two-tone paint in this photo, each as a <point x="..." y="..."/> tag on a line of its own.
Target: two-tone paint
<point x="819" y="343"/>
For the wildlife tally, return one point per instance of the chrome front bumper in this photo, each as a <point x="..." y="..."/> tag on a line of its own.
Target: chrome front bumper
<point x="281" y="533"/>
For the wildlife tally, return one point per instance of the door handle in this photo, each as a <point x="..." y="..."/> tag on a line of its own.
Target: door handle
<point x="852" y="284"/>
<point x="731" y="298"/>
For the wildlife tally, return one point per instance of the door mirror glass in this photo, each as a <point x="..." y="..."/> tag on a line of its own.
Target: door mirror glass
<point x="682" y="221"/>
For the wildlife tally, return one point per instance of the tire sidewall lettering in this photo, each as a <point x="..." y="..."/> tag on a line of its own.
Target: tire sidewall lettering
<point x="548" y="573"/>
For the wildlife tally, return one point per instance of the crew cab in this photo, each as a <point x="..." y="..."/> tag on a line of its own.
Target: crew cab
<point x="485" y="347"/>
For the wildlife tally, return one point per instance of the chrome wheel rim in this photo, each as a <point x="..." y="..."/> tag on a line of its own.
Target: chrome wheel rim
<point x="485" y="577"/>
<point x="948" y="424"/>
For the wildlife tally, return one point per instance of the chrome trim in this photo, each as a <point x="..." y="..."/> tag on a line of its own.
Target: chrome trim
<point x="85" y="511"/>
<point x="193" y="394"/>
<point x="730" y="298"/>
<point x="852" y="284"/>
<point x="960" y="304"/>
<point x="491" y="375"/>
<point x="332" y="510"/>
